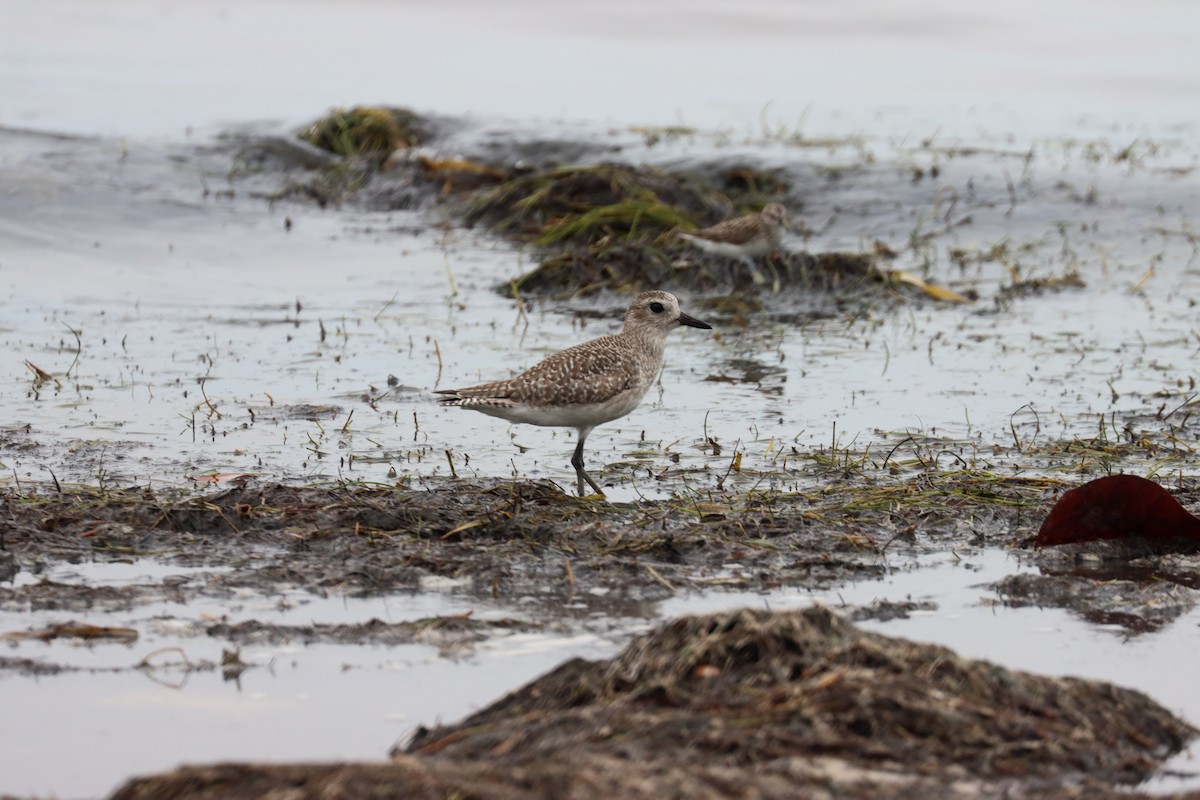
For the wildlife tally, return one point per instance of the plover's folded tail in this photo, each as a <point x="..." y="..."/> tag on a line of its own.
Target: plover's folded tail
<point x="449" y="397"/>
<point x="455" y="397"/>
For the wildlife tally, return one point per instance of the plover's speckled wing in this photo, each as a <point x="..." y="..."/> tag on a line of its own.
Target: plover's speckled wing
<point x="733" y="231"/>
<point x="746" y="238"/>
<point x="588" y="373"/>
<point x="750" y="232"/>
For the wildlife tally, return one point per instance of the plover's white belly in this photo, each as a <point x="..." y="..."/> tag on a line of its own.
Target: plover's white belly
<point x="755" y="247"/>
<point x="570" y="415"/>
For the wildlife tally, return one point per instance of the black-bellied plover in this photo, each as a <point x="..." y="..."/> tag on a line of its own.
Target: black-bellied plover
<point x="588" y="384"/>
<point x="746" y="237"/>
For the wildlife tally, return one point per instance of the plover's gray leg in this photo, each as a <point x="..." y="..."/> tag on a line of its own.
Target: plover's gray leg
<point x="577" y="462"/>
<point x="776" y="284"/>
<point x="755" y="274"/>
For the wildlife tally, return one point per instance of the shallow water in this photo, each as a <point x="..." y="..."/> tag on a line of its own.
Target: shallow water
<point x="372" y="696"/>
<point x="212" y="340"/>
<point x="200" y="315"/>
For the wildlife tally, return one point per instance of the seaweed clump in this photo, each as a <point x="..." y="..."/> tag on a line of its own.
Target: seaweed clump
<point x="610" y="226"/>
<point x="371" y="132"/>
<point x="599" y="226"/>
<point x="580" y="205"/>
<point x="613" y="226"/>
<point x="603" y="226"/>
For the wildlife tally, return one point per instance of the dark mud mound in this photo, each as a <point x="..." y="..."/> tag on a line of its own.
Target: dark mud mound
<point x="587" y="778"/>
<point x="1140" y="597"/>
<point x="755" y="704"/>
<point x="750" y="687"/>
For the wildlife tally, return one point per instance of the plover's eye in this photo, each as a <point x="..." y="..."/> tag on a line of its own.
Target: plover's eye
<point x="657" y="308"/>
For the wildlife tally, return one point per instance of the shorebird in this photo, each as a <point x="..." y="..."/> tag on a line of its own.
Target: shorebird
<point x="746" y="237"/>
<point x="588" y="384"/>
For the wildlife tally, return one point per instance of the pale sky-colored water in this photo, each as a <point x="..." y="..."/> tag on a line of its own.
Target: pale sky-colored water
<point x="155" y="67"/>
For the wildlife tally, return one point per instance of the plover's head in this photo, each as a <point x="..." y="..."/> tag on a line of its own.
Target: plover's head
<point x="774" y="214"/>
<point x="658" y="311"/>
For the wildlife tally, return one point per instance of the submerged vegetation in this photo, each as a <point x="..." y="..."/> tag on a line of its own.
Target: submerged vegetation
<point x="594" y="226"/>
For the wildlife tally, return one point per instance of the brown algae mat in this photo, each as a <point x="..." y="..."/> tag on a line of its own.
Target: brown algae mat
<point x="754" y="704"/>
<point x="529" y="539"/>
<point x="520" y="539"/>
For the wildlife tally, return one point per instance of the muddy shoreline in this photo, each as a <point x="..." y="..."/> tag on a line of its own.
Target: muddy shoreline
<point x="530" y="540"/>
